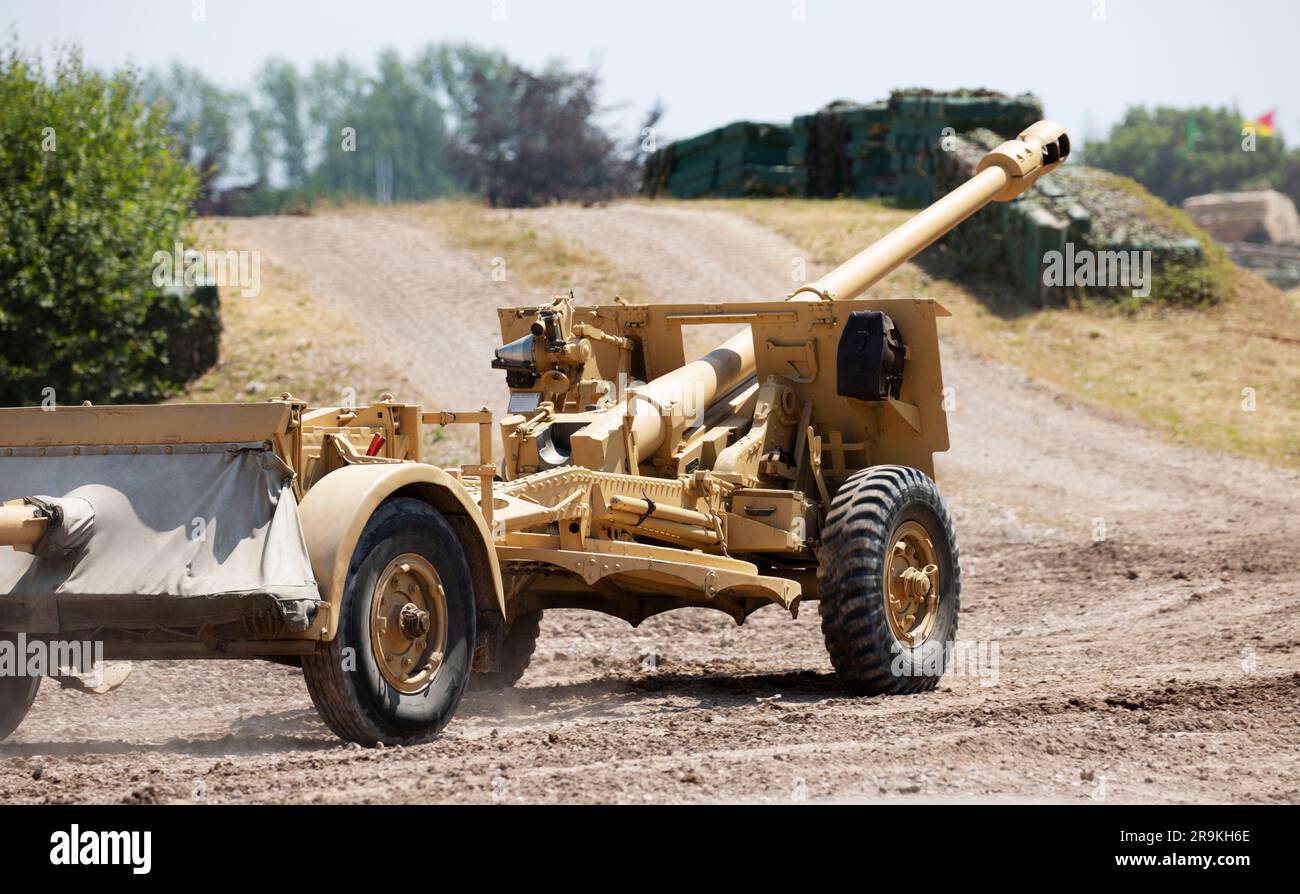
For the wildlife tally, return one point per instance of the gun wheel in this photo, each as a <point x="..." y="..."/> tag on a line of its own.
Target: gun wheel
<point x="513" y="656"/>
<point x="889" y="575"/>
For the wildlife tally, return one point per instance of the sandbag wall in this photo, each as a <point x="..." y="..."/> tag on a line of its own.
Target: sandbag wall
<point x="840" y="151"/>
<point x="923" y="125"/>
<point x="742" y="159"/>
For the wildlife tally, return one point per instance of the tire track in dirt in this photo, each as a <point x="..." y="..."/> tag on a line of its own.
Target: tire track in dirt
<point x="1157" y="664"/>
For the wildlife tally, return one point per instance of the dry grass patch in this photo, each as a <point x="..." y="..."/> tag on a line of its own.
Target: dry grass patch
<point x="285" y="339"/>
<point x="534" y="261"/>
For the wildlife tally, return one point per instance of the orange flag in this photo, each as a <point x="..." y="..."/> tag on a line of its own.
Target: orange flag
<point x="1264" y="123"/>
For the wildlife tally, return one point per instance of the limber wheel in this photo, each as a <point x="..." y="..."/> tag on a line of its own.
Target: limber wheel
<point x="890" y="581"/>
<point x="397" y="668"/>
<point x="16" y="696"/>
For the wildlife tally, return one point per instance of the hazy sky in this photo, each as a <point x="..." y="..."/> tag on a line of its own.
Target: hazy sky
<point x="715" y="61"/>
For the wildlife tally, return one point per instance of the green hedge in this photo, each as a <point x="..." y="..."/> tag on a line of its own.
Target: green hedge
<point x="90" y="188"/>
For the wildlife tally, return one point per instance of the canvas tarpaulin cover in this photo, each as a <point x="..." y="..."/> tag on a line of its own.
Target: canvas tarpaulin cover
<point x="186" y="522"/>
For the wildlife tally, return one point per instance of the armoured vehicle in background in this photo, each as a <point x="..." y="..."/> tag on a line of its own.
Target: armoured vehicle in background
<point x="793" y="462"/>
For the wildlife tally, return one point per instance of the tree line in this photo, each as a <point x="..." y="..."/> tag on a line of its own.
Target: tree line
<point x="1176" y="153"/>
<point x="447" y="120"/>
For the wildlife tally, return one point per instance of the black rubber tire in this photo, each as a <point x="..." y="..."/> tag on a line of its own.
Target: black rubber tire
<point x="353" y="698"/>
<point x="16" y="696"/>
<point x="514" y="655"/>
<point x="864" y="516"/>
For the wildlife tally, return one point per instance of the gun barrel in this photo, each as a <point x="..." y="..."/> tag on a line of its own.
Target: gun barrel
<point x="1002" y="175"/>
<point x="697" y="384"/>
<point x="693" y="387"/>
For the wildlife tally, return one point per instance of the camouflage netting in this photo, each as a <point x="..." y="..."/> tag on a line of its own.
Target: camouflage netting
<point x="1077" y="209"/>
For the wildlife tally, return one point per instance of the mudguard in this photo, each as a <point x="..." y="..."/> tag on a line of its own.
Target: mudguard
<point x="335" y="511"/>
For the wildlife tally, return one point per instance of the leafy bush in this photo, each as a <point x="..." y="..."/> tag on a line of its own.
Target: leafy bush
<point x="90" y="188"/>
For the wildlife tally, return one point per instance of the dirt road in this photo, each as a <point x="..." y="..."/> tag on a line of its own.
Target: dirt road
<point x="426" y="307"/>
<point x="1140" y="600"/>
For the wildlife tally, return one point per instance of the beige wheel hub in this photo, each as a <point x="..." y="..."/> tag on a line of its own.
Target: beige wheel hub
<point x="408" y="623"/>
<point x="912" y="584"/>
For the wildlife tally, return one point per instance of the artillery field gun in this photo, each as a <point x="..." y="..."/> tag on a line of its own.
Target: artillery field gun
<point x="792" y="462"/>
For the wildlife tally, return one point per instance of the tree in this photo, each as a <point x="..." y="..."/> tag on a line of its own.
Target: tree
<point x="389" y="129"/>
<point x="466" y="78"/>
<point x="535" y="138"/>
<point x="1176" y="153"/>
<point x="261" y="145"/>
<point x="337" y="95"/>
<point x="282" y="90"/>
<point x="202" y="117"/>
<point x="91" y="186"/>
